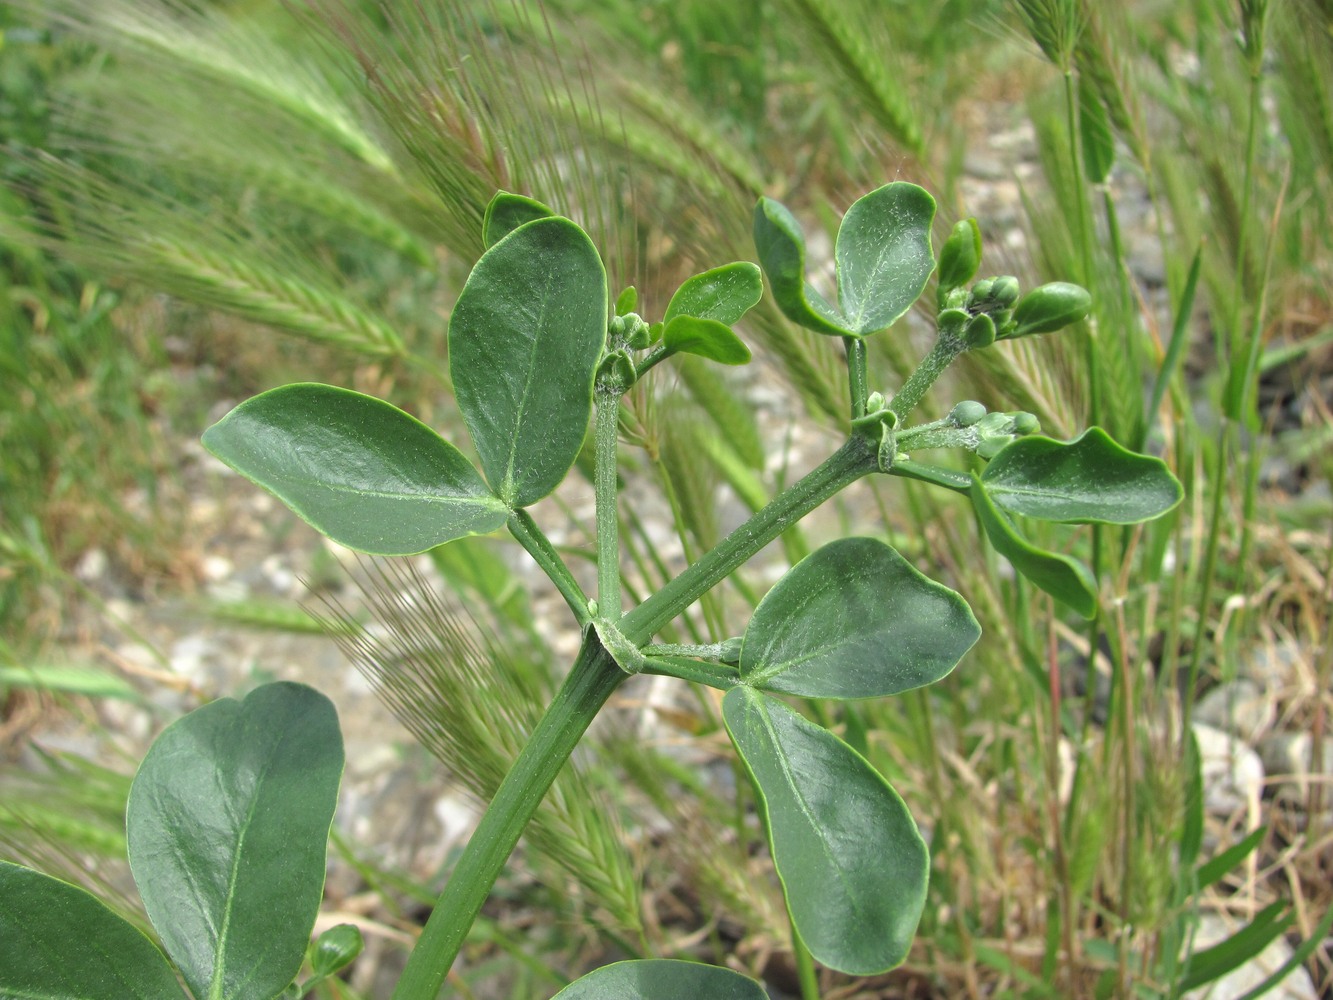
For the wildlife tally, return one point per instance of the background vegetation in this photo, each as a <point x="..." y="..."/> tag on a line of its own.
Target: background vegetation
<point x="203" y="200"/>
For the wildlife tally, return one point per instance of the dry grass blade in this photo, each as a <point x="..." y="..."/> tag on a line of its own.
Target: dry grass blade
<point x="471" y="700"/>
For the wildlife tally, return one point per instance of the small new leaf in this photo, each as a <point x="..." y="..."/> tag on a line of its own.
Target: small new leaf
<point x="706" y="338"/>
<point x="724" y="294"/>
<point x="960" y="256"/>
<point x="356" y="468"/>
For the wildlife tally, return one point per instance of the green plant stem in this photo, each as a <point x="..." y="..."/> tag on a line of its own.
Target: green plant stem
<point x="855" y="459"/>
<point x="805" y="967"/>
<point x="650" y="360"/>
<point x="946" y="350"/>
<point x="605" y="470"/>
<point x="591" y="681"/>
<point x="856" y="374"/>
<point x="531" y="537"/>
<point x="709" y="674"/>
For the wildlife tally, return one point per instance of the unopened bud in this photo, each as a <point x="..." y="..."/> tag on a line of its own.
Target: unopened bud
<point x="874" y="402"/>
<point x="981" y="291"/>
<point x="335" y="948"/>
<point x="1049" y="308"/>
<point x="960" y="256"/>
<point x="1004" y="291"/>
<point x="966" y="413"/>
<point x="1025" y="423"/>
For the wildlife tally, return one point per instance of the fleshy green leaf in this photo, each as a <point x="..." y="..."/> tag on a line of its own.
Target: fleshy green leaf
<point x="724" y="294"/>
<point x="706" y="338"/>
<point x="361" y="471"/>
<point x="780" y="244"/>
<point x="662" y="979"/>
<point x="852" y="864"/>
<point x="1065" y="579"/>
<point x="228" y="827"/>
<point x="525" y="338"/>
<point x="883" y="255"/>
<point x="1089" y="479"/>
<point x="507" y="212"/>
<point x="855" y="620"/>
<point x="58" y="942"/>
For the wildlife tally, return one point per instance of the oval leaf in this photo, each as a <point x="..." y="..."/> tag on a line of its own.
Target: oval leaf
<point x="507" y="212"/>
<point x="852" y="864"/>
<point x="855" y="620"/>
<point x="1065" y="579"/>
<point x="781" y="247"/>
<point x="1089" y="479"/>
<point x="524" y="342"/>
<point x="706" y="338"/>
<point x="724" y="294"/>
<point x="228" y="826"/>
<point x="883" y="255"/>
<point x="355" y="468"/>
<point x="662" y="979"/>
<point x="58" y="942"/>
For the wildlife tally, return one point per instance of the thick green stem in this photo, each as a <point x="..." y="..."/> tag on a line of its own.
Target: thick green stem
<point x="942" y="355"/>
<point x="525" y="531"/>
<point x="856" y="374"/>
<point x="855" y="459"/>
<point x="605" y="470"/>
<point x="590" y="683"/>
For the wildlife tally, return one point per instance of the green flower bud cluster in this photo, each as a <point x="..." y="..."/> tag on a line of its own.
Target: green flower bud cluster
<point x="995" y="430"/>
<point x="630" y="330"/>
<point x="997" y="310"/>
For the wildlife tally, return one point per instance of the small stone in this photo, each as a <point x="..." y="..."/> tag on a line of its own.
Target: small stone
<point x="1239" y="707"/>
<point x="1233" y="774"/>
<point x="216" y="568"/>
<point x="1296" y="986"/>
<point x="1291" y="756"/>
<point x="92" y="566"/>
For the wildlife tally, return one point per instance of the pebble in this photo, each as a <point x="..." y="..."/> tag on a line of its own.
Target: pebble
<point x="1233" y="774"/>
<point x="1237" y="983"/>
<point x="1291" y="756"/>
<point x="1239" y="707"/>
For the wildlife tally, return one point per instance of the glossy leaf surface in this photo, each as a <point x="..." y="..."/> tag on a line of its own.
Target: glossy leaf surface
<point x="706" y="338"/>
<point x="780" y="244"/>
<point x="1065" y="579"/>
<point x="662" y="979"/>
<point x="883" y="255"/>
<point x="525" y="338"/>
<point x="855" y="620"/>
<point x="1089" y="479"/>
<point x="724" y="294"/>
<point x="355" y="468"/>
<point x="58" y="942"/>
<point x="852" y="864"/>
<point x="228" y="825"/>
<point x="506" y="212"/>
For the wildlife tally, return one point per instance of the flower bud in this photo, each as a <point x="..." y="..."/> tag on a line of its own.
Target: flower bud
<point x="636" y="332"/>
<point x="1049" y="308"/>
<point x="1025" y="423"/>
<point x="981" y="291"/>
<point x="994" y="423"/>
<point x="1004" y="291"/>
<point x="874" y="402"/>
<point x="335" y="948"/>
<point x="966" y="413"/>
